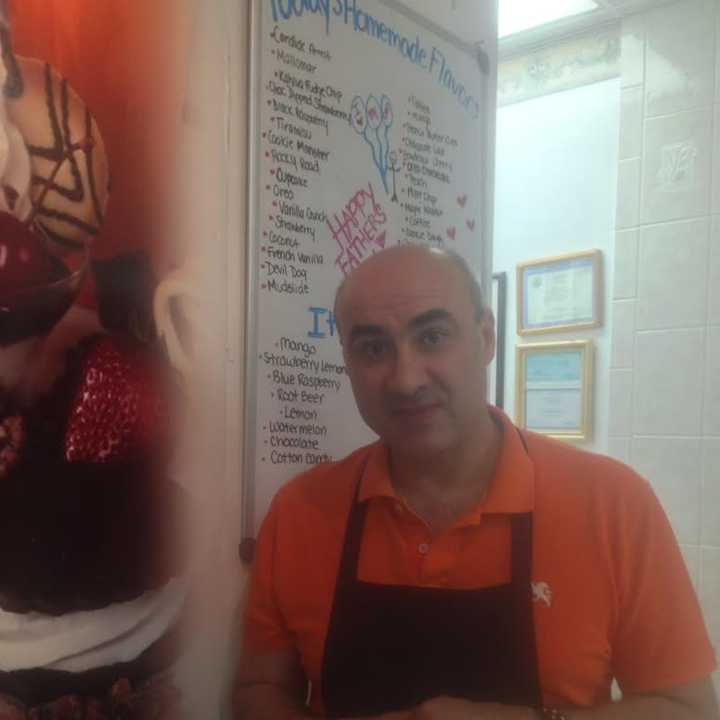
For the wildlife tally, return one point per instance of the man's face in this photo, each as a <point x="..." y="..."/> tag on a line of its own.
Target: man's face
<point x="415" y="352"/>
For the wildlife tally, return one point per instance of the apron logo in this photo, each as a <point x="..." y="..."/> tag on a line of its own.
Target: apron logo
<point x="542" y="593"/>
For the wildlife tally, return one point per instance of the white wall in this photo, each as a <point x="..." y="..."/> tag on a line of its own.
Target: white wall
<point x="210" y="223"/>
<point x="555" y="192"/>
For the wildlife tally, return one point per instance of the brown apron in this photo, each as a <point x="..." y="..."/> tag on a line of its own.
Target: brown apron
<point x="391" y="647"/>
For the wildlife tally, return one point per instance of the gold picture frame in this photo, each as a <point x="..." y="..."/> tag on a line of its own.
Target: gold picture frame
<point x="553" y="388"/>
<point x="560" y="293"/>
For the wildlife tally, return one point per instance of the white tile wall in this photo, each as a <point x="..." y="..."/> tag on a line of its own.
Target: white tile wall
<point x="677" y="166"/>
<point x="691" y="554"/>
<point x="621" y="393"/>
<point x="673" y="467"/>
<point x="632" y="54"/>
<point x="668" y="387"/>
<point x="711" y="415"/>
<point x="714" y="273"/>
<point x="710" y="591"/>
<point x="715" y="180"/>
<point x="680" y="57"/>
<point x="717" y="57"/>
<point x="672" y="285"/>
<point x="625" y="271"/>
<point x="668" y="266"/>
<point x="628" y="204"/>
<point x="623" y="334"/>
<point x="631" y="122"/>
<point x="710" y="533"/>
<point x="619" y="448"/>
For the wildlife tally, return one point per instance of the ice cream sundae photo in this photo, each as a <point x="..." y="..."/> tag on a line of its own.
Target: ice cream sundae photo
<point x="92" y="588"/>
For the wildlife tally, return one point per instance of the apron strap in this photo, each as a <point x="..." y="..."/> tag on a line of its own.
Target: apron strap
<point x="522" y="544"/>
<point x="347" y="572"/>
<point x="521" y="553"/>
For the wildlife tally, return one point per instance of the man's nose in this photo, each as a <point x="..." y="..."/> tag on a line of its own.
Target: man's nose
<point x="407" y="373"/>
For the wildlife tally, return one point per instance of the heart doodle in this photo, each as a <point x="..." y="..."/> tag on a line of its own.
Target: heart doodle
<point x="470" y="224"/>
<point x="451" y="233"/>
<point x="462" y="199"/>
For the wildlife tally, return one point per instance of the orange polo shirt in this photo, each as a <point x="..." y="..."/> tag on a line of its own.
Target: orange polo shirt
<point x="612" y="595"/>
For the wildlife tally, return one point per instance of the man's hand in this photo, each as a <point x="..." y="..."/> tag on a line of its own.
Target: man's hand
<point x="446" y="708"/>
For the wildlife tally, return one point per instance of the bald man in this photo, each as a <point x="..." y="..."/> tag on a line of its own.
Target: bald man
<point x="460" y="567"/>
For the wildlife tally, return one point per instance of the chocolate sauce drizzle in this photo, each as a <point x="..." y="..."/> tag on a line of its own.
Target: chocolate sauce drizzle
<point x="63" y="150"/>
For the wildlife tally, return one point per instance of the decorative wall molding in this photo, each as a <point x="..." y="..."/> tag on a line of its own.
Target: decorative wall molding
<point x="570" y="63"/>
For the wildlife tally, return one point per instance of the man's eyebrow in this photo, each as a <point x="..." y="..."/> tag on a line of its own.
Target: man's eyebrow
<point x="365" y="330"/>
<point x="418" y="321"/>
<point x="431" y="316"/>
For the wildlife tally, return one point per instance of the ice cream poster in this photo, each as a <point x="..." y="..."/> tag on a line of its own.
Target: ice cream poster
<point x="93" y="585"/>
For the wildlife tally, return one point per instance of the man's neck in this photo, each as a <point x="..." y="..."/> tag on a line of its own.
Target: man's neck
<point x="441" y="488"/>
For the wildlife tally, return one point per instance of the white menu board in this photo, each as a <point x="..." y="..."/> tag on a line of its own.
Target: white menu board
<point x="370" y="130"/>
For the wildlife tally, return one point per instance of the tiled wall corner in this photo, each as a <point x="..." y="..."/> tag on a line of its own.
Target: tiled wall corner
<point x="623" y="334"/>
<point x="714" y="270"/>
<point x="710" y="591"/>
<point x="631" y="122"/>
<point x="628" y="203"/>
<point x="711" y="405"/>
<point x="625" y="271"/>
<point x="666" y="289"/>
<point x="620" y="406"/>
<point x="710" y="520"/>
<point x="691" y="555"/>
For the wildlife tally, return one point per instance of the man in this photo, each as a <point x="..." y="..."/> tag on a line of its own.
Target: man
<point x="461" y="568"/>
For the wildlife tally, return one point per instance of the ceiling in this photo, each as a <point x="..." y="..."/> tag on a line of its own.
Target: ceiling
<point x="471" y="20"/>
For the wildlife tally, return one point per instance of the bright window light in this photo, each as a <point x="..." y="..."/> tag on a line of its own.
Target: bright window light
<point x="518" y="15"/>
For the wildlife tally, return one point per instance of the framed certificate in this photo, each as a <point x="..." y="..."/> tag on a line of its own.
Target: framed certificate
<point x="559" y="293"/>
<point x="496" y="369"/>
<point x="554" y="388"/>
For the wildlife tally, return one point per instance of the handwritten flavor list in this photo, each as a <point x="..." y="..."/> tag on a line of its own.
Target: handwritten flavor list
<point x="364" y="144"/>
<point x="297" y="147"/>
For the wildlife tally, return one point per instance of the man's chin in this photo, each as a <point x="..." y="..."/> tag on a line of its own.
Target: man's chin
<point x="420" y="445"/>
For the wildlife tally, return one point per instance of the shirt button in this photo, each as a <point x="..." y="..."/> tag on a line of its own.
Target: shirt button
<point x="398" y="508"/>
<point x="423" y="548"/>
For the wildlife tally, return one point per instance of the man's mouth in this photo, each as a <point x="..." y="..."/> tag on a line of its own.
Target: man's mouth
<point x="410" y="412"/>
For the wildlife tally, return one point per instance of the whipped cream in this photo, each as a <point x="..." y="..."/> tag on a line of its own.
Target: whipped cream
<point x="80" y="641"/>
<point x="15" y="169"/>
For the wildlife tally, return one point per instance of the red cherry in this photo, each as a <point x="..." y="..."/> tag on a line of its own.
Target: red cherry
<point x="24" y="259"/>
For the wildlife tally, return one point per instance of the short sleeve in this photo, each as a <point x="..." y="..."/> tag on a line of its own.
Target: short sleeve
<point x="661" y="639"/>
<point x="264" y="627"/>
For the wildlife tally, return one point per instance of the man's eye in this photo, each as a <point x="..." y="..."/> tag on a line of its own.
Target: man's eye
<point x="432" y="337"/>
<point x="372" y="349"/>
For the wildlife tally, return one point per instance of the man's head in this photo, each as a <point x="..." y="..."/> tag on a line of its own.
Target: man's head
<point x="416" y="341"/>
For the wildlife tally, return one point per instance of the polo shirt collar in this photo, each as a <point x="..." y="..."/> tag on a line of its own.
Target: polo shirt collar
<point x="511" y="490"/>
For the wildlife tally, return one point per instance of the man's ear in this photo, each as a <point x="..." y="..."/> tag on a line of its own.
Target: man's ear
<point x="487" y="336"/>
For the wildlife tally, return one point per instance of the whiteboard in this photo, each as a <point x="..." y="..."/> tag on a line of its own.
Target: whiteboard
<point x="369" y="129"/>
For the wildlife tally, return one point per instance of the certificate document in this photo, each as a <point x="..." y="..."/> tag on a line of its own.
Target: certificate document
<point x="560" y="293"/>
<point x="553" y="391"/>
